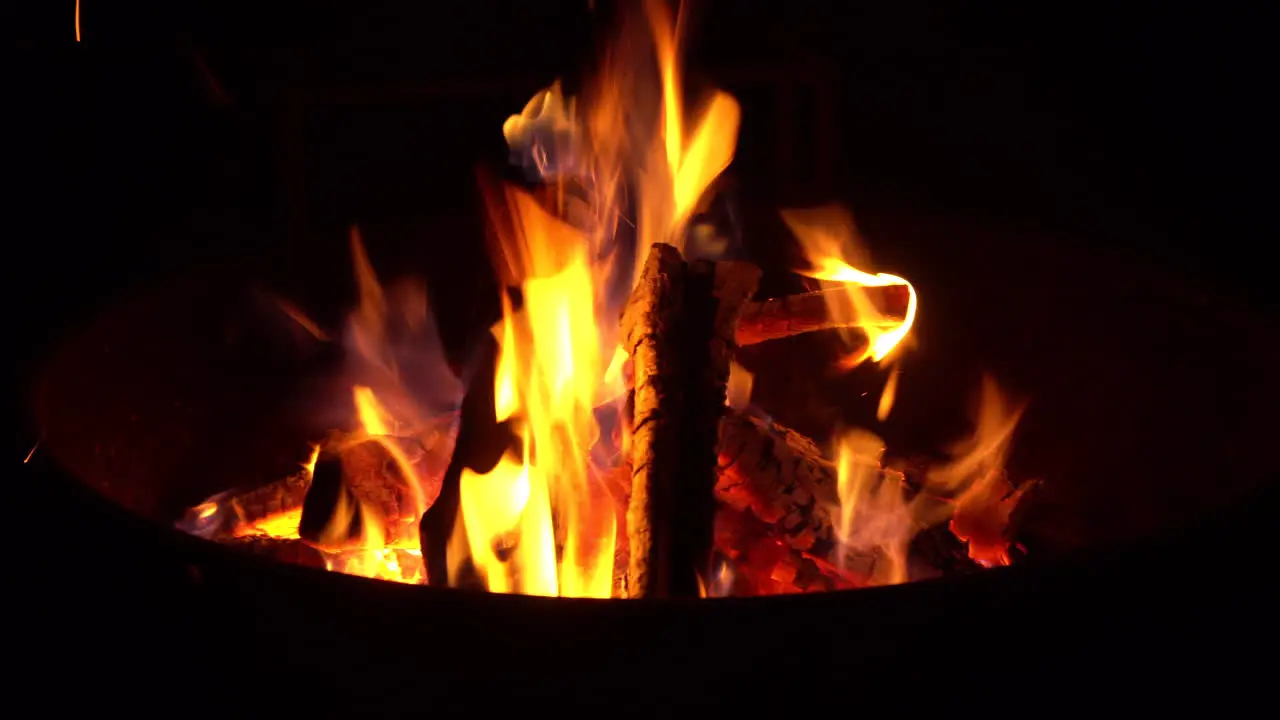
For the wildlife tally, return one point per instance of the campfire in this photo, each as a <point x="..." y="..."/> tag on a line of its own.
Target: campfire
<point x="603" y="442"/>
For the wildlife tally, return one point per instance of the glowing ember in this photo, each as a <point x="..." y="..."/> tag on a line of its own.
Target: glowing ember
<point x="622" y="172"/>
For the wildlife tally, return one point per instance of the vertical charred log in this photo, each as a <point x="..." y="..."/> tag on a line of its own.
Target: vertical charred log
<point x="327" y="493"/>
<point x="679" y="328"/>
<point x="649" y="332"/>
<point x="713" y="296"/>
<point x="690" y="511"/>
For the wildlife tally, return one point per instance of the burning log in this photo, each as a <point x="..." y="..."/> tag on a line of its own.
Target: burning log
<point x="809" y="312"/>
<point x="648" y="324"/>
<point x="289" y="550"/>
<point x="781" y="477"/>
<point x="617" y="481"/>
<point x="678" y="327"/>
<point x="764" y="565"/>
<point x="279" y="502"/>
<point x="367" y="482"/>
<point x="714" y="296"/>
<point x="272" y="509"/>
<point x="481" y="442"/>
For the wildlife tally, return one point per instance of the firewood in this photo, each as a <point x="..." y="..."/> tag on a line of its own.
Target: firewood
<point x="267" y="509"/>
<point x="617" y="480"/>
<point x="982" y="516"/>
<point x="782" y="478"/>
<point x="809" y="312"/>
<point x="678" y="328"/>
<point x="280" y="498"/>
<point x="649" y="336"/>
<point x="361" y="482"/>
<point x="713" y="299"/>
<point x="761" y="564"/>
<point x="289" y="550"/>
<point x="943" y="552"/>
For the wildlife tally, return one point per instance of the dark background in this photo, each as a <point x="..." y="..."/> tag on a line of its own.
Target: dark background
<point x="179" y="133"/>
<point x="223" y="126"/>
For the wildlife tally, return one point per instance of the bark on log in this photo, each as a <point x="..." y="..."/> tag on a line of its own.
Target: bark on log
<point x="648" y="335"/>
<point x="678" y="327"/>
<point x="809" y="312"/>
<point x="782" y="478"/>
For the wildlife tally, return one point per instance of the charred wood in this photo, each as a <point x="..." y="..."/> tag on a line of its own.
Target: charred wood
<point x="809" y="312"/>
<point x="713" y="299"/>
<point x="678" y="328"/>
<point x="761" y="564"/>
<point x="650" y="337"/>
<point x="781" y="477"/>
<point x="481" y="443"/>
<point x="362" y="482"/>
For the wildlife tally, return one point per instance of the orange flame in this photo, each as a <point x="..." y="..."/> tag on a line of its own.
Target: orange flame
<point x="389" y="413"/>
<point x="985" y="496"/>
<point x="738" y="391"/>
<point x="549" y="375"/>
<point x="877" y="517"/>
<point x="876" y="521"/>
<point x="558" y="355"/>
<point x="888" y="395"/>
<point x="681" y="167"/>
<point x="543" y="521"/>
<point x="829" y="240"/>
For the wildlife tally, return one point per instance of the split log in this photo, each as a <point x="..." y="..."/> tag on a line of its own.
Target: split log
<point x="261" y="510"/>
<point x="678" y="327"/>
<point x="648" y="335"/>
<point x="782" y="478"/>
<point x="713" y="300"/>
<point x="356" y="484"/>
<point x="289" y="550"/>
<point x="266" y="509"/>
<point x="282" y="498"/>
<point x="809" y="312"/>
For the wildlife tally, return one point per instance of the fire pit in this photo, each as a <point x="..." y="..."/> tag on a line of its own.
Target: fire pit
<point x="637" y="408"/>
